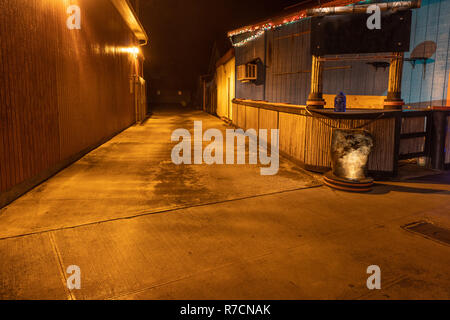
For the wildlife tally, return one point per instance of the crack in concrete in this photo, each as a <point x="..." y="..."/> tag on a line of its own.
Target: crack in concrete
<point x="146" y="213"/>
<point x="70" y="295"/>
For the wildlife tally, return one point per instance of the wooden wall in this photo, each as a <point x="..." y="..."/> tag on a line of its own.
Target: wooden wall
<point x="287" y="61"/>
<point x="311" y="143"/>
<point x="225" y="79"/>
<point x="61" y="91"/>
<point x="411" y="125"/>
<point x="288" y="65"/>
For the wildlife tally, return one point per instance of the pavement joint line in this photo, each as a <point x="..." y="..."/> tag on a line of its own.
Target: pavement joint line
<point x="207" y="270"/>
<point x="269" y="252"/>
<point x="146" y="213"/>
<point x="70" y="295"/>
<point x="279" y="250"/>
<point x="283" y="250"/>
<point x="386" y="285"/>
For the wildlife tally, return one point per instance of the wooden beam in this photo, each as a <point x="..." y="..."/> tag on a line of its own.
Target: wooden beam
<point x="394" y="97"/>
<point x="131" y="19"/>
<point x="315" y="99"/>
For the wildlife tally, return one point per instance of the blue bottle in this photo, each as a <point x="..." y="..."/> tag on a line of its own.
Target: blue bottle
<point x="340" y="103"/>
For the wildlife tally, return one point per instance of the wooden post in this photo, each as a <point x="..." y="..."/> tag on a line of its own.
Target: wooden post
<point x="394" y="97"/>
<point x="315" y="99"/>
<point x="439" y="130"/>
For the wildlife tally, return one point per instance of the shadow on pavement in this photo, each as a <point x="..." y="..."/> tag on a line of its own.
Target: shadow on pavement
<point x="381" y="188"/>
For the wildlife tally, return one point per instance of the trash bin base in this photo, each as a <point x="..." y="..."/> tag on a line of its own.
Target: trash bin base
<point x="332" y="181"/>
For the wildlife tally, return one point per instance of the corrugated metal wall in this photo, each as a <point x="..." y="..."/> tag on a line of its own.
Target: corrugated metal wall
<point x="61" y="90"/>
<point x="288" y="64"/>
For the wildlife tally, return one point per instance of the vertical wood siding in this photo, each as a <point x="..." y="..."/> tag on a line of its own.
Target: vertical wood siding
<point x="311" y="142"/>
<point x="413" y="125"/>
<point x="293" y="144"/>
<point x="61" y="90"/>
<point x="225" y="79"/>
<point x="241" y="113"/>
<point x="251" y="118"/>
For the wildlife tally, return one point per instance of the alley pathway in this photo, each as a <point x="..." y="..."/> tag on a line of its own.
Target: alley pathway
<point x="140" y="227"/>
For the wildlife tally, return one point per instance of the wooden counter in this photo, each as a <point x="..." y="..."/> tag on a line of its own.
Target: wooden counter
<point x="305" y="135"/>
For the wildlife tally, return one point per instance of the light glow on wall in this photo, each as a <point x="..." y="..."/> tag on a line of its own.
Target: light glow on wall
<point x="131" y="50"/>
<point x="135" y="51"/>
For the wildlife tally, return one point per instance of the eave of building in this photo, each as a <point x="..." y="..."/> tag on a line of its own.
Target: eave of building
<point x="289" y="16"/>
<point x="225" y="58"/>
<point x="130" y="17"/>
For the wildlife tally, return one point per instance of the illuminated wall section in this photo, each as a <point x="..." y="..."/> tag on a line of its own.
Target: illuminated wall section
<point x="62" y="91"/>
<point x="225" y="88"/>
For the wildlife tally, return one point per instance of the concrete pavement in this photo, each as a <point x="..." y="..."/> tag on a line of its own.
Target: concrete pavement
<point x="140" y="227"/>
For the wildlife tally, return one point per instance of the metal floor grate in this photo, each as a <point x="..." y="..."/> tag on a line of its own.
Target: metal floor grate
<point x="430" y="231"/>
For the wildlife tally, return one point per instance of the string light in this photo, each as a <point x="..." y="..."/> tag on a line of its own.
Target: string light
<point x="261" y="29"/>
<point x="253" y="37"/>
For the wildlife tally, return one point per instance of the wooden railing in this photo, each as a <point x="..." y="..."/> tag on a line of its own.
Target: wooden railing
<point x="415" y="137"/>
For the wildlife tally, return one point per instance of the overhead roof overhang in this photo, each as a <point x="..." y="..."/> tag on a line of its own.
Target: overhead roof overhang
<point x="129" y="15"/>
<point x="225" y="58"/>
<point x="294" y="13"/>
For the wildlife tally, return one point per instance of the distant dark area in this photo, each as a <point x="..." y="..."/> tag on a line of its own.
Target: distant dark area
<point x="182" y="34"/>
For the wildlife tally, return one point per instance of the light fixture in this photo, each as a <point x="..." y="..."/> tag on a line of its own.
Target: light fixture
<point x="131" y="50"/>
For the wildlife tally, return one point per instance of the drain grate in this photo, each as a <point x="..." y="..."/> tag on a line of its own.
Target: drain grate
<point x="430" y="231"/>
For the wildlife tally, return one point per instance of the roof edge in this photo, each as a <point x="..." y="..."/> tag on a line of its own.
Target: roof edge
<point x="225" y="58"/>
<point x="131" y="19"/>
<point x="291" y="16"/>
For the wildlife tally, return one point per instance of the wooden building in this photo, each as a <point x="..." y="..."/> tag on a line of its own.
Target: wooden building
<point x="216" y="89"/>
<point x="289" y="78"/>
<point x="286" y="55"/>
<point x="225" y="82"/>
<point x="64" y="91"/>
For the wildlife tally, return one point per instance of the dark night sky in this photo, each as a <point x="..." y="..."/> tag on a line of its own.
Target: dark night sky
<point x="182" y="33"/>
